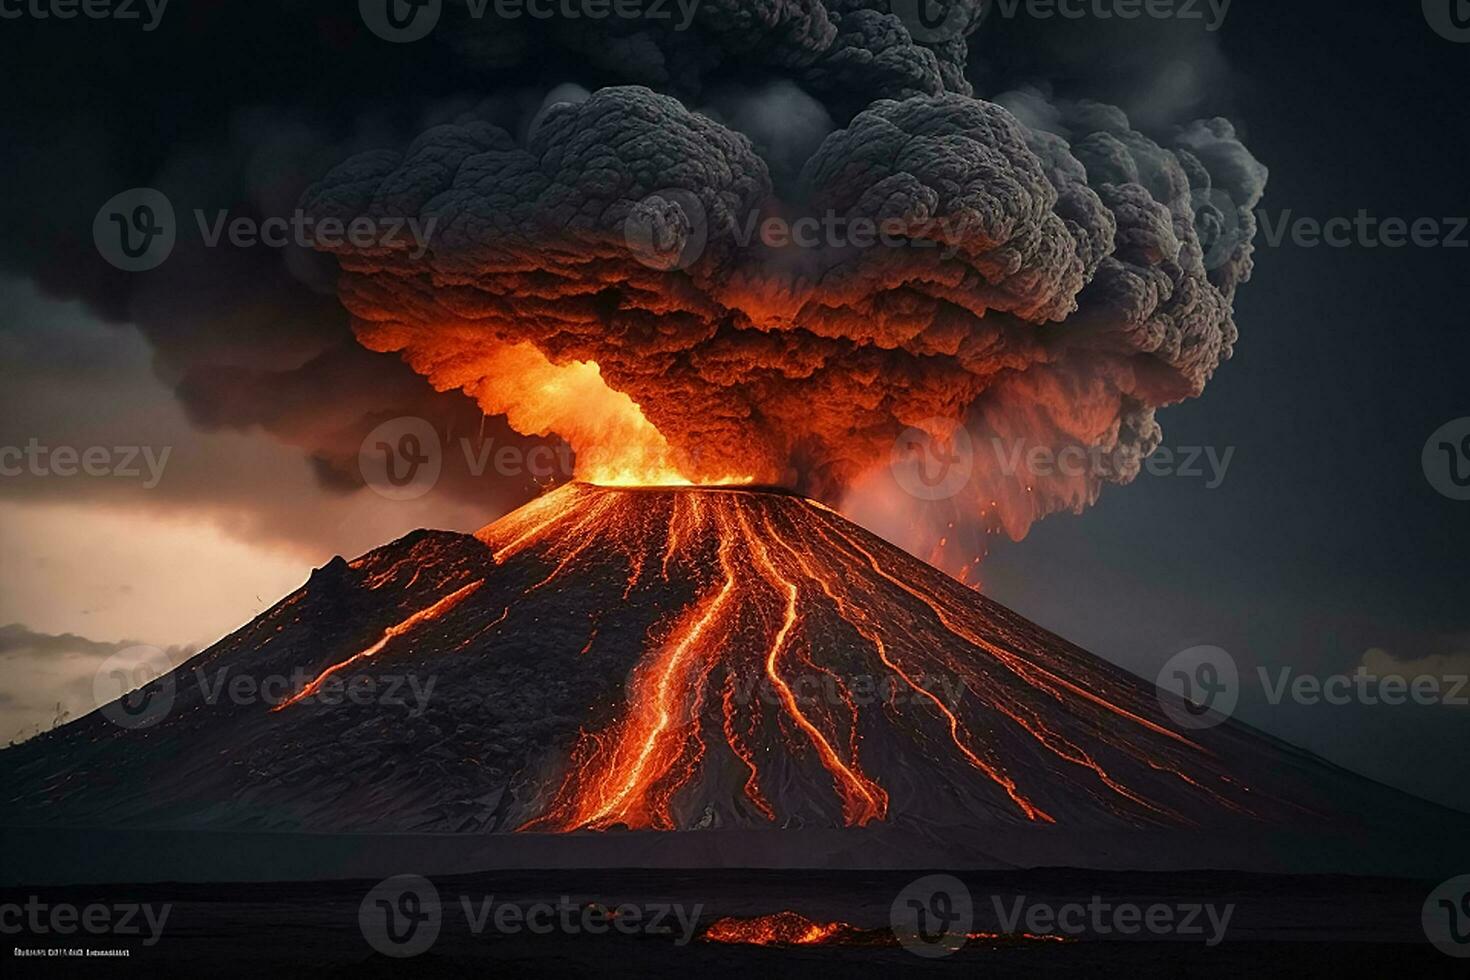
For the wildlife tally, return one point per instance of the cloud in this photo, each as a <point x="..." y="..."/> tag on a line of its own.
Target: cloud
<point x="47" y="678"/>
<point x="1060" y="284"/>
<point x="1451" y="669"/>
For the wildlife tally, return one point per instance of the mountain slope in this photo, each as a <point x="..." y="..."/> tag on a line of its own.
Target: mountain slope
<point x="665" y="659"/>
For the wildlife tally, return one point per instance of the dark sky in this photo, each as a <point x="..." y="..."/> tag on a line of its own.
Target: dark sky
<point x="1324" y="541"/>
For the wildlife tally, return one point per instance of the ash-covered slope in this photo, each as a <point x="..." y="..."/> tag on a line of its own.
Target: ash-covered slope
<point x="698" y="660"/>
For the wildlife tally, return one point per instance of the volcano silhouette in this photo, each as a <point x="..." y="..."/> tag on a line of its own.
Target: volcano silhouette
<point x="670" y="666"/>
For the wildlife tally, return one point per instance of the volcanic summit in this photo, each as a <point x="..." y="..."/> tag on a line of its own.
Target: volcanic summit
<point x="660" y="660"/>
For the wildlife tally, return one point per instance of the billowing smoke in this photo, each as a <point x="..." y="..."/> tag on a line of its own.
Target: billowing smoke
<point x="777" y="242"/>
<point x="786" y="277"/>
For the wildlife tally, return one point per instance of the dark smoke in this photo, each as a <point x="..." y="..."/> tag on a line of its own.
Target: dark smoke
<point x="1080" y="274"/>
<point x="1060" y="277"/>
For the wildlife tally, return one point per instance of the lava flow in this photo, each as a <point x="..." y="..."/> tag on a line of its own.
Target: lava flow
<point x="788" y="928"/>
<point x="398" y="629"/>
<point x="801" y="648"/>
<point x="664" y="659"/>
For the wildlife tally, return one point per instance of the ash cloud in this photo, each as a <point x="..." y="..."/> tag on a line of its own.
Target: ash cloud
<point x="1064" y="276"/>
<point x="1058" y="275"/>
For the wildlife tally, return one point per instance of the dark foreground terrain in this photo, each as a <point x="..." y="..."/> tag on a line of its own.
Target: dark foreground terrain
<point x="1279" y="926"/>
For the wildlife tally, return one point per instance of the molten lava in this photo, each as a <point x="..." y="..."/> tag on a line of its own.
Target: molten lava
<point x="781" y="929"/>
<point x="788" y="928"/>
<point x="615" y="444"/>
<point x="784" y="595"/>
<point x="398" y="629"/>
<point x="679" y="659"/>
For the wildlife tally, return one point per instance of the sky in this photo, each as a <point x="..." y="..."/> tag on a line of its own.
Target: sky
<point x="1325" y="541"/>
<point x="1323" y="547"/>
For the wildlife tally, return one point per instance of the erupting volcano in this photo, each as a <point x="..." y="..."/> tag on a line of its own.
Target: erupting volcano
<point x="785" y="594"/>
<point x="681" y="662"/>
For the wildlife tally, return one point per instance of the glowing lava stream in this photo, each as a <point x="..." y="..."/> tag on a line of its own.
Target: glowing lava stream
<point x="783" y="593"/>
<point x="628" y="767"/>
<point x="862" y="799"/>
<point x="398" y="629"/>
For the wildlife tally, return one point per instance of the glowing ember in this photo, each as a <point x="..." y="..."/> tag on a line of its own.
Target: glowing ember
<point x="789" y="928"/>
<point x="784" y="594"/>
<point x="780" y="929"/>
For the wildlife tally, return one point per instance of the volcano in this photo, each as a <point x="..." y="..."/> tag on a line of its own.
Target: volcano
<point x="725" y="675"/>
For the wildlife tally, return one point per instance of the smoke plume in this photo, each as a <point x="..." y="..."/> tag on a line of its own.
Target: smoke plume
<point x="786" y="242"/>
<point x="782" y="279"/>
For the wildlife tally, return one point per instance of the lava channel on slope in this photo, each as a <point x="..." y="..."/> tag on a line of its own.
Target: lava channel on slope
<point x="866" y="661"/>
